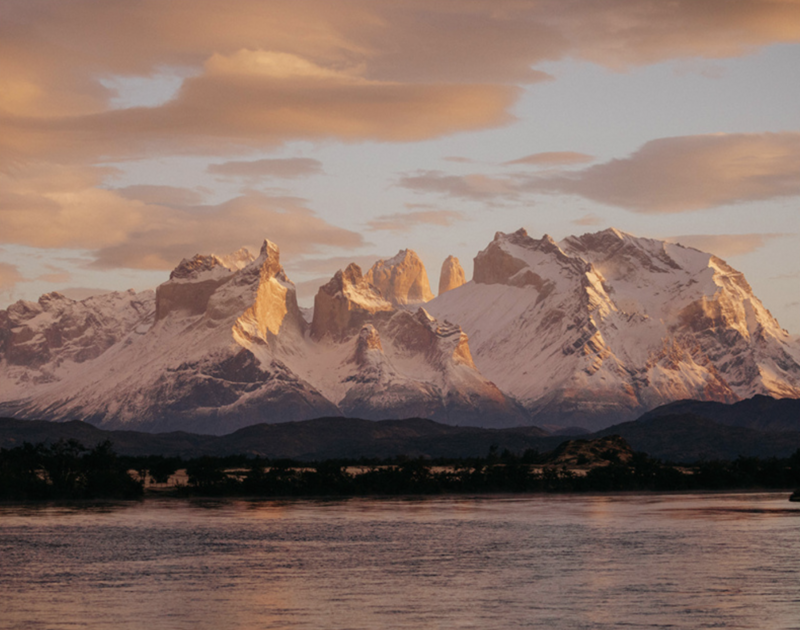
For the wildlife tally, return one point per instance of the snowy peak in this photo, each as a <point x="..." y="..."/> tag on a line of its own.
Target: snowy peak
<point x="593" y="330"/>
<point x="58" y="331"/>
<point x="452" y="275"/>
<point x="518" y="260"/>
<point x="401" y="279"/>
<point x="607" y="325"/>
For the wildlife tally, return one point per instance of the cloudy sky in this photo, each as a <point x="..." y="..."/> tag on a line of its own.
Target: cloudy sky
<point x="133" y="134"/>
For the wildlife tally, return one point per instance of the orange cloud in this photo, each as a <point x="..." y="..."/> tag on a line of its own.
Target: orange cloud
<point x="170" y="234"/>
<point x="218" y="113"/>
<point x="288" y="168"/>
<point x="149" y="227"/>
<point x="262" y="73"/>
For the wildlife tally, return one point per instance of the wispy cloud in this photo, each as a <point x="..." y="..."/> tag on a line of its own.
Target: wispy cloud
<point x="688" y="173"/>
<point x="174" y="233"/>
<point x="666" y="175"/>
<point x="162" y="195"/>
<point x="589" y="219"/>
<point x="552" y="158"/>
<point x="475" y="187"/>
<point x="725" y="245"/>
<point x="9" y="276"/>
<point x="283" y="168"/>
<point x="150" y="227"/>
<point x="407" y="221"/>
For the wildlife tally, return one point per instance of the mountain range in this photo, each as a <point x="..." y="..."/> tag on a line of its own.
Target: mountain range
<point x="591" y="331"/>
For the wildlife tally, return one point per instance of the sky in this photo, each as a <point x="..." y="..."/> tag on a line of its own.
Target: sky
<point x="134" y="134"/>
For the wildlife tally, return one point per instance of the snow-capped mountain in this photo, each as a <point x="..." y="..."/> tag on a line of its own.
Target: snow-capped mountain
<point x="602" y="327"/>
<point x="590" y="331"/>
<point x="224" y="345"/>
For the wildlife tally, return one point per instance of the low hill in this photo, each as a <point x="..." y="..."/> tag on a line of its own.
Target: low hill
<point x="322" y="438"/>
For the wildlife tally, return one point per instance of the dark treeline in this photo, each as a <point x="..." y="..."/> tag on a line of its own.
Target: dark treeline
<point x="65" y="470"/>
<point x="495" y="473"/>
<point x="68" y="470"/>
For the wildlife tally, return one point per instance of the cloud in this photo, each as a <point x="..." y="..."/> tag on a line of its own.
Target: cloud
<point x="666" y="175"/>
<point x="9" y="276"/>
<point x="249" y="102"/>
<point x="288" y="168"/>
<point x="474" y="187"/>
<point x="258" y="74"/>
<point x="553" y="158"/>
<point x="175" y="233"/>
<point x="688" y="173"/>
<point x="589" y="219"/>
<point x="162" y="195"/>
<point x="56" y="277"/>
<point x="44" y="205"/>
<point x="725" y="245"/>
<point x="407" y="221"/>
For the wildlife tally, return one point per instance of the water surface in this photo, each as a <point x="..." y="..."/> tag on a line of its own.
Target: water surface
<point x="612" y="561"/>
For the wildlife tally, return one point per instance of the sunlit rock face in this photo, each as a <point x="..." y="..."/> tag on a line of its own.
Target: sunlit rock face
<point x="274" y="309"/>
<point x="190" y="286"/>
<point x="452" y="275"/>
<point x="402" y="279"/>
<point x="601" y="327"/>
<point x="345" y="303"/>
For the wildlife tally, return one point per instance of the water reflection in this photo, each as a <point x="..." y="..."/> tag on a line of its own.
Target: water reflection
<point x="683" y="561"/>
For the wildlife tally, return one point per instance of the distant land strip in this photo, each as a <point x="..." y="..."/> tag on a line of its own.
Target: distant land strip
<point x="685" y="431"/>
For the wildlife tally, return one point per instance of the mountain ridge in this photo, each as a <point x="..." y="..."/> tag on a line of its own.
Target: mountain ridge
<point x="588" y="331"/>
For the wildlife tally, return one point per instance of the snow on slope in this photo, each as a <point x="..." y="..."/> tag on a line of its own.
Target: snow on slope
<point x="604" y="326"/>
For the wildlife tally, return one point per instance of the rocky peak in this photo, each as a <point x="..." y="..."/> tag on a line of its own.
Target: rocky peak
<point x="621" y="254"/>
<point x="518" y="260"/>
<point x="345" y="303"/>
<point x="198" y="265"/>
<point x="273" y="308"/>
<point x="369" y="341"/>
<point x="452" y="275"/>
<point x="401" y="279"/>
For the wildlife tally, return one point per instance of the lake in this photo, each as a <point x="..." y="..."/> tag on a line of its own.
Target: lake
<point x="544" y="561"/>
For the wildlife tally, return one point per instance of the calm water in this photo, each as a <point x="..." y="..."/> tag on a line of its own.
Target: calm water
<point x="633" y="561"/>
